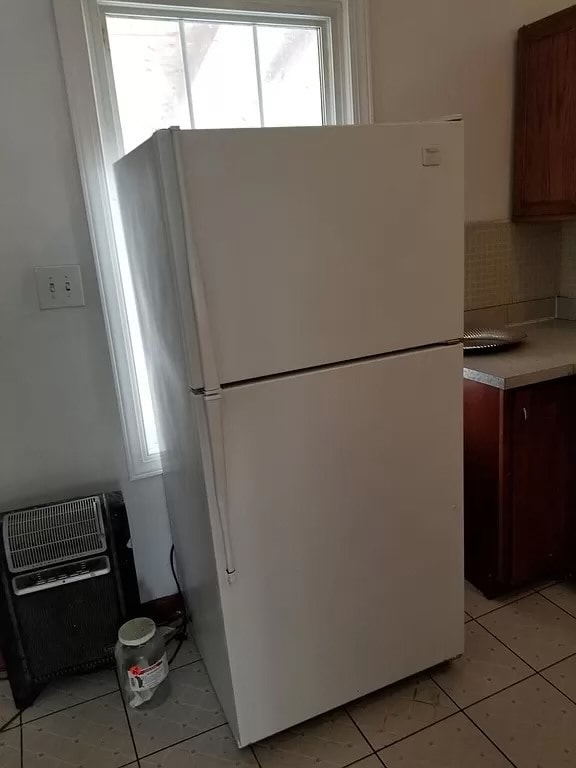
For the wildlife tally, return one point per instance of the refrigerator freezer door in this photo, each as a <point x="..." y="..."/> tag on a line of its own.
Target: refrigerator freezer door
<point x="321" y="245"/>
<point x="344" y="492"/>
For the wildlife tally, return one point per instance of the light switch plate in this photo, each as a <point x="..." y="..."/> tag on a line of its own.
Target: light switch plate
<point x="59" y="287"/>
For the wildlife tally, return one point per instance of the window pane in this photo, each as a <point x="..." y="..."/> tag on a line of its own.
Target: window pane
<point x="148" y="75"/>
<point x="222" y="72"/>
<point x="290" y="70"/>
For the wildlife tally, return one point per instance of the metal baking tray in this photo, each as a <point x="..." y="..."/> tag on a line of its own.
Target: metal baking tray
<point x="491" y="339"/>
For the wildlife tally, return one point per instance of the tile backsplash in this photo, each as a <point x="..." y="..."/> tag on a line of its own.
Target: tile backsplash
<point x="510" y="263"/>
<point x="567" y="277"/>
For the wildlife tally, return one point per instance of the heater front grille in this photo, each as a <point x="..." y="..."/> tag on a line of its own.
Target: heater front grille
<point x="41" y="536"/>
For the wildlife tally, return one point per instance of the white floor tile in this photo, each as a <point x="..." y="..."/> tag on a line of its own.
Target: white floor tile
<point x="368" y="762"/>
<point x="69" y="691"/>
<point x="532" y="723"/>
<point x="401" y="709"/>
<point x="564" y="595"/>
<point x="538" y="631"/>
<point x="91" y="735"/>
<point x="486" y="667"/>
<point x="187" y="654"/>
<point x="540" y="586"/>
<point x="7" y="708"/>
<point x="190" y="709"/>
<point x="563" y="675"/>
<point x="209" y="750"/>
<point x="10" y="749"/>
<point x="330" y="741"/>
<point x="453" y="743"/>
<point x="477" y="605"/>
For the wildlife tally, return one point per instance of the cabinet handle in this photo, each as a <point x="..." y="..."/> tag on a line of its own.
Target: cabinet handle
<point x="525" y="412"/>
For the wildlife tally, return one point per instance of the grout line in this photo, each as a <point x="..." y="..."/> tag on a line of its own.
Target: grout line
<point x="181" y="741"/>
<point x="510" y="649"/>
<point x="99" y="696"/>
<point x="351" y="765"/>
<point x="557" y="606"/>
<point x="534" y="673"/>
<point x="419" y="730"/>
<point x="360" y="731"/>
<point x="543" y="669"/>
<point x="499" y="608"/>
<point x="570" y="699"/>
<point x="504" y="755"/>
<point x="186" y="664"/>
<point x="15" y="723"/>
<point x="70" y="706"/>
<point x="552" y="583"/>
<point x="258" y="763"/>
<point x="501" y="690"/>
<point x="549" y="666"/>
<point x="366" y="739"/>
<point x="127" y="719"/>
<point x="462" y="712"/>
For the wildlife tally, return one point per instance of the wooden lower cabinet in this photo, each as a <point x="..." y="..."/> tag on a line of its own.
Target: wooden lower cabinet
<point x="519" y="483"/>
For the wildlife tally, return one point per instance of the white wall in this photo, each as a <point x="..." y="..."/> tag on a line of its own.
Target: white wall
<point x="59" y="423"/>
<point x="456" y="56"/>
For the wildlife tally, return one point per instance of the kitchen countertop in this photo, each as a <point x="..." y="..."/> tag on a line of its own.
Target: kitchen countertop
<point x="548" y="353"/>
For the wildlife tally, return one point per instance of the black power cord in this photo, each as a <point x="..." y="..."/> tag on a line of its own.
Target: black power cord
<point x="8" y="722"/>
<point x="182" y="633"/>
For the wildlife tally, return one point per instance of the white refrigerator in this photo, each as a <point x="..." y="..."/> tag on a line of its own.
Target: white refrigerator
<point x="300" y="293"/>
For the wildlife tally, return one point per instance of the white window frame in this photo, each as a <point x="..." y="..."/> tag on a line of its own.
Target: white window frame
<point x="95" y="125"/>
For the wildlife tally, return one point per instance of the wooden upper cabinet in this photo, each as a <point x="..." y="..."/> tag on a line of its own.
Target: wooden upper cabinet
<point x="545" y="119"/>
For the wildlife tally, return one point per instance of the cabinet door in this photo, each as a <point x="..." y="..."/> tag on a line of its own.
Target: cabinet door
<point x="545" y="120"/>
<point x="542" y="503"/>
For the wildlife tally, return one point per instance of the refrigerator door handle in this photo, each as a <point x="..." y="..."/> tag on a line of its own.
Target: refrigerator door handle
<point x="214" y="417"/>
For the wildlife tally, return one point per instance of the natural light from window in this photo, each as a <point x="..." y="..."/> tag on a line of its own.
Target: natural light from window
<point x="206" y="74"/>
<point x="201" y="74"/>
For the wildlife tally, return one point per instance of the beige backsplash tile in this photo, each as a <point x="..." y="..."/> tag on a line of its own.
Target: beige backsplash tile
<point x="567" y="285"/>
<point x="535" y="260"/>
<point x="488" y="264"/>
<point x="565" y="308"/>
<point x="508" y="263"/>
<point x="526" y="311"/>
<point x="489" y="317"/>
<point x="509" y="314"/>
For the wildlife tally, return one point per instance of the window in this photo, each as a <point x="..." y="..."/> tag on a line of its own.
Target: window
<point x="134" y="67"/>
<point x="202" y="74"/>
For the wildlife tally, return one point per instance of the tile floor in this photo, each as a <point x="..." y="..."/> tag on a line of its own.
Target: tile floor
<point x="509" y="701"/>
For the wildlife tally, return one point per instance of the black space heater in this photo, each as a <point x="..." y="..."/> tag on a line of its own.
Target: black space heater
<point x="68" y="583"/>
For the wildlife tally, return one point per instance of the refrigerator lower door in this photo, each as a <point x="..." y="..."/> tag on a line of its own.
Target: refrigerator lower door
<point x="344" y="507"/>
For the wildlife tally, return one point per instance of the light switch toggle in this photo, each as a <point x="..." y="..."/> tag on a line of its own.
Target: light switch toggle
<point x="59" y="287"/>
<point x="431" y="156"/>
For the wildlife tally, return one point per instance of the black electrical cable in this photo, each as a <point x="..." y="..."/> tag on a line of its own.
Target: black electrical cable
<point x="182" y="633"/>
<point x="7" y="723"/>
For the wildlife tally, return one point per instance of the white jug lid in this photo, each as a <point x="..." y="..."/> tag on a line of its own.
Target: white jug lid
<point x="137" y="631"/>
